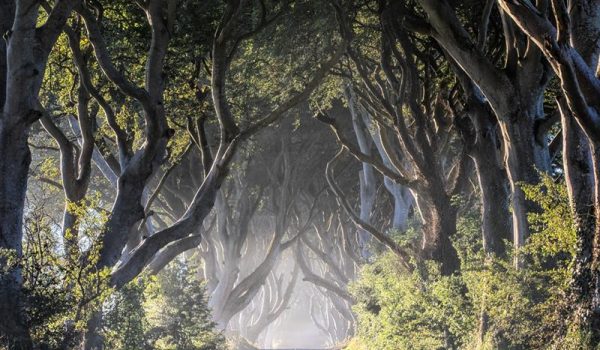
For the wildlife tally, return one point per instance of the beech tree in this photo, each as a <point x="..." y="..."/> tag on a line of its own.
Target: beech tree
<point x="273" y="300"/>
<point x="426" y="146"/>
<point x="237" y="282"/>
<point x="514" y="91"/>
<point x="505" y="89"/>
<point x="570" y="45"/>
<point x="24" y="56"/>
<point x="326" y="263"/>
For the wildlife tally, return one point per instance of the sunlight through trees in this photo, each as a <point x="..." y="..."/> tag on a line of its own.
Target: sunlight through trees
<point x="276" y="174"/>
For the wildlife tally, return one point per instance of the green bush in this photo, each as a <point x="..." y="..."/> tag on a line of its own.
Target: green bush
<point x="490" y="304"/>
<point x="400" y="310"/>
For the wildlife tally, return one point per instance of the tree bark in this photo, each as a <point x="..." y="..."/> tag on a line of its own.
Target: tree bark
<point x="439" y="224"/>
<point x="7" y="13"/>
<point x="14" y="169"/>
<point x="402" y="197"/>
<point x="579" y="177"/>
<point x="367" y="181"/>
<point x="582" y="163"/>
<point x="479" y="131"/>
<point x="495" y="201"/>
<point x="403" y="201"/>
<point x="523" y="158"/>
<point x="93" y="340"/>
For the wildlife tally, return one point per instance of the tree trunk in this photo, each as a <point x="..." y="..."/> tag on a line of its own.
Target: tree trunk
<point x="7" y="13"/>
<point x="594" y="322"/>
<point x="439" y="224"/>
<point x="368" y="191"/>
<point x="24" y="57"/>
<point x="14" y="169"/>
<point x="579" y="178"/>
<point x="585" y="29"/>
<point x="219" y="297"/>
<point x="582" y="166"/>
<point x="70" y="234"/>
<point x="493" y="184"/>
<point x="253" y="334"/>
<point x="403" y="201"/>
<point x="92" y="339"/>
<point x="516" y="97"/>
<point x="524" y="158"/>
<point x="368" y="185"/>
<point x="480" y="139"/>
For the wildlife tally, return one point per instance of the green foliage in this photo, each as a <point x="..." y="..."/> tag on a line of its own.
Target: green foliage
<point x="126" y="318"/>
<point x="164" y="312"/>
<point x="178" y="313"/>
<point x="60" y="295"/>
<point x="490" y="304"/>
<point x="278" y="62"/>
<point x="554" y="228"/>
<point x="419" y="310"/>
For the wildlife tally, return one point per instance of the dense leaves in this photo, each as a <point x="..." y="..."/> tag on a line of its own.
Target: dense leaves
<point x="490" y="305"/>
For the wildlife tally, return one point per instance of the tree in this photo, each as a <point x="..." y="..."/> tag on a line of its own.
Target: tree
<point x="273" y="301"/>
<point x="423" y="157"/>
<point x="571" y="48"/>
<point x="22" y="67"/>
<point x="514" y="92"/>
